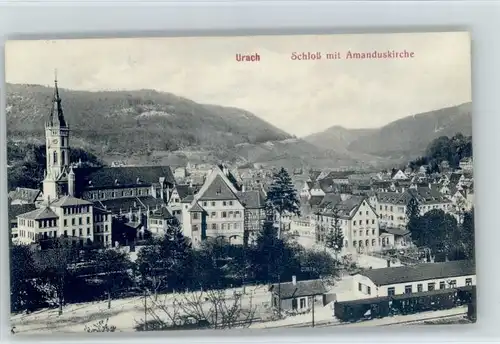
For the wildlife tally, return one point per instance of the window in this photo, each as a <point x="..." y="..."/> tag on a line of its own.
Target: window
<point x="195" y="216"/>
<point x="79" y="220"/>
<point x="224" y="203"/>
<point x="88" y="231"/>
<point x="373" y="231"/>
<point x="367" y="222"/>
<point x="369" y="290"/>
<point x="360" y="287"/>
<point x="204" y="204"/>
<point x="391" y="291"/>
<point x="354" y="223"/>
<point x="73" y="232"/>
<point x="354" y="233"/>
<point x="408" y="289"/>
<point x="453" y="283"/>
<point x="213" y="204"/>
<point x="303" y="302"/>
<point x="373" y="222"/>
<point x="294" y="304"/>
<point x="88" y="219"/>
<point x="236" y="225"/>
<point x="420" y="288"/>
<point x="431" y="286"/>
<point x="366" y="213"/>
<point x="224" y="214"/>
<point x="105" y="228"/>
<point x="214" y="226"/>
<point x="80" y="232"/>
<point x="55" y="157"/>
<point x="442" y="285"/>
<point x="195" y="228"/>
<point x="230" y="202"/>
<point x="65" y="222"/>
<point x="468" y="281"/>
<point x="73" y="222"/>
<point x="223" y="226"/>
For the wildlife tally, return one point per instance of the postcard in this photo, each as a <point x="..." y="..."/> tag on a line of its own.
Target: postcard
<point x="233" y="182"/>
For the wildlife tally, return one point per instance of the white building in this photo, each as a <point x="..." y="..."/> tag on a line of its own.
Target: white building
<point x="399" y="175"/>
<point x="391" y="206"/>
<point x="414" y="279"/>
<point x="356" y="218"/>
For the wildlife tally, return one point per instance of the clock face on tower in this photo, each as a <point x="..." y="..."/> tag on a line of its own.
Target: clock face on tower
<point x="55" y="141"/>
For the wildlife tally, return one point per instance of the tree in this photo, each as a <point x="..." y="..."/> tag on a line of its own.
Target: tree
<point x="24" y="291"/>
<point x="113" y="265"/>
<point x="55" y="266"/>
<point x="283" y="196"/>
<point x="178" y="249"/>
<point x="320" y="264"/>
<point x="468" y="235"/>
<point x="439" y="232"/>
<point x="412" y="217"/>
<point x="334" y="239"/>
<point x="153" y="267"/>
<point x="208" y="309"/>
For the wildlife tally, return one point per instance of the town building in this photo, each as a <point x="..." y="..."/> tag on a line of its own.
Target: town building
<point x="297" y="296"/>
<point x="80" y="201"/>
<point x="356" y="218"/>
<point x="391" y="206"/>
<point x="414" y="279"/>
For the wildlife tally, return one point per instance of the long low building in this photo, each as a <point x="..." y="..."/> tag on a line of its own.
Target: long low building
<point x="414" y="279"/>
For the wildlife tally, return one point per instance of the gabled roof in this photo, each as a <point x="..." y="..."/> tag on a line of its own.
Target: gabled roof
<point x="333" y="203"/>
<point x="184" y="190"/>
<point x="218" y="190"/>
<point x="17" y="209"/>
<point x="252" y="199"/>
<point x="301" y="288"/>
<point x="126" y="203"/>
<point x="44" y="213"/>
<point x="25" y="194"/>
<point x="196" y="208"/>
<point x="420" y="272"/>
<point x="108" y="177"/>
<point x="69" y="201"/>
<point x="161" y="213"/>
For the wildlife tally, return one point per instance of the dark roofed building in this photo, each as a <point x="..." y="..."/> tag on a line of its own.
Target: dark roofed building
<point x="297" y="296"/>
<point x="254" y="202"/>
<point x="416" y="278"/>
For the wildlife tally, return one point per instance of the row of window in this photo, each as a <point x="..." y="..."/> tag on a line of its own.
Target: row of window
<point x="430" y="286"/>
<point x="76" y="210"/>
<point x="28" y="223"/>
<point x="223" y="226"/>
<point x="223" y="214"/>
<point x="47" y="223"/>
<point x="213" y="203"/>
<point x="361" y="232"/>
<point x="122" y="193"/>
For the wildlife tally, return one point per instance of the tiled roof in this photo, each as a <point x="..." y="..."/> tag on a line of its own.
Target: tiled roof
<point x="301" y="288"/>
<point x="218" y="190"/>
<point x="44" y="213"/>
<point x="18" y="209"/>
<point x="127" y="203"/>
<point x="420" y="272"/>
<point x="344" y="207"/>
<point x="161" y="213"/>
<point x="184" y="190"/>
<point x="68" y="201"/>
<point x="24" y="194"/>
<point x="252" y="199"/>
<point x="106" y="177"/>
<point x="423" y="195"/>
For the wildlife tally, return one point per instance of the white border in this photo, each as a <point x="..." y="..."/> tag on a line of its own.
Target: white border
<point x="64" y="19"/>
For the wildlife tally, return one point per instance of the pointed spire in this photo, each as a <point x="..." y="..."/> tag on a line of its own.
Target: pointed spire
<point x="56" y="114"/>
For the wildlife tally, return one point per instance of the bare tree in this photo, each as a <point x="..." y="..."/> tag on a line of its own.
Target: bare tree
<point x="100" y="326"/>
<point x="210" y="309"/>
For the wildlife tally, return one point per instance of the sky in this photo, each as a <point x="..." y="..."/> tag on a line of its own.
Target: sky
<point x="300" y="97"/>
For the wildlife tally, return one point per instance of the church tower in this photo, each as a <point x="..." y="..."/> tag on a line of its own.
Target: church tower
<point x="57" y="149"/>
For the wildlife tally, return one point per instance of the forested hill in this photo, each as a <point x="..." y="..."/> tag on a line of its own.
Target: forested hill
<point x="136" y="122"/>
<point x="447" y="149"/>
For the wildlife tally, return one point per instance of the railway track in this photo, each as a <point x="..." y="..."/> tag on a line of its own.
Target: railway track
<point x="421" y="321"/>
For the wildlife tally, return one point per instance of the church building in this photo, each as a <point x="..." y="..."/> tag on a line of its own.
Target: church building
<point x="84" y="202"/>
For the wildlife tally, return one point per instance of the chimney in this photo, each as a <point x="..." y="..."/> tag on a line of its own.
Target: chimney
<point x="294" y="280"/>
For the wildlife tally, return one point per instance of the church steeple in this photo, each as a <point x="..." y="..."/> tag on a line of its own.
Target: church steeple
<point x="57" y="148"/>
<point x="56" y="116"/>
